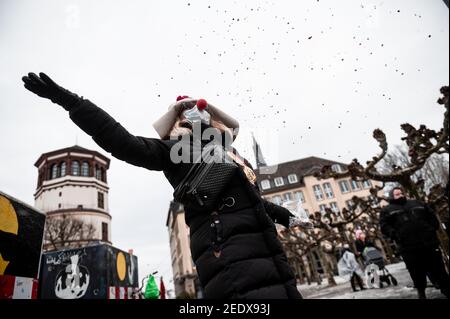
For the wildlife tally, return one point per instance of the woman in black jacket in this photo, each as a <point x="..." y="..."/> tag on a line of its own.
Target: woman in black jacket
<point x="237" y="252"/>
<point x="361" y="243"/>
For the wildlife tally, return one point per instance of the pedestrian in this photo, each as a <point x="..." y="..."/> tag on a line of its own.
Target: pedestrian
<point x="235" y="247"/>
<point x="347" y="265"/>
<point x="412" y="224"/>
<point x="361" y="243"/>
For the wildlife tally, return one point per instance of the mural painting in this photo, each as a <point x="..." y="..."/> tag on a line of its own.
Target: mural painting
<point x="87" y="273"/>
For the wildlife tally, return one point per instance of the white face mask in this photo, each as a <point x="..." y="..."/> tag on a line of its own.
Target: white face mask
<point x="195" y="115"/>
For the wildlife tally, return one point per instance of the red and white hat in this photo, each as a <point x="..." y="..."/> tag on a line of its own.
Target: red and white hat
<point x="165" y="123"/>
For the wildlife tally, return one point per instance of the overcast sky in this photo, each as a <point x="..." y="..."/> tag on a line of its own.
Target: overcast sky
<point x="307" y="77"/>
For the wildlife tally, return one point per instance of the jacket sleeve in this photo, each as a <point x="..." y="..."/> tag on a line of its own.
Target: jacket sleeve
<point x="278" y="214"/>
<point x="150" y="153"/>
<point x="431" y="217"/>
<point x="385" y="225"/>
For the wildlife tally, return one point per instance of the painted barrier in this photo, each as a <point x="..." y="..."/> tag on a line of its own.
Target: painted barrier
<point x="21" y="236"/>
<point x="92" y="272"/>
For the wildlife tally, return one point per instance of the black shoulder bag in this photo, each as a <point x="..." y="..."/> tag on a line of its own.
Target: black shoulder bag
<point x="206" y="180"/>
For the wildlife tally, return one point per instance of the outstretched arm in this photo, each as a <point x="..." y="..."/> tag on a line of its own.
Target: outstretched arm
<point x="150" y="153"/>
<point x="110" y="135"/>
<point x="278" y="214"/>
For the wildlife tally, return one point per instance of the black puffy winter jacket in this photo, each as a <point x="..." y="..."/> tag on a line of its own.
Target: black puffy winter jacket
<point x="411" y="225"/>
<point x="237" y="252"/>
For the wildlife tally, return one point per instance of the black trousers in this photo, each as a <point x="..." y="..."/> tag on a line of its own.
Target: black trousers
<point x="425" y="261"/>
<point x="356" y="279"/>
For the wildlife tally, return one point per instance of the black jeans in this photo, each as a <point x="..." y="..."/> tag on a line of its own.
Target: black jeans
<point x="425" y="261"/>
<point x="356" y="278"/>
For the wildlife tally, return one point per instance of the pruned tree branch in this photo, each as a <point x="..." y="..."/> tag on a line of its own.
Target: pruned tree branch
<point x="63" y="231"/>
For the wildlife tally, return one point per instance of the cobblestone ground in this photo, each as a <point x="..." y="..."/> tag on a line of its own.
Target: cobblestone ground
<point x="343" y="290"/>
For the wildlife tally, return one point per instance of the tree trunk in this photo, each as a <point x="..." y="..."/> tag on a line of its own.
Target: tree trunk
<point x="305" y="270"/>
<point x="315" y="274"/>
<point x="327" y="269"/>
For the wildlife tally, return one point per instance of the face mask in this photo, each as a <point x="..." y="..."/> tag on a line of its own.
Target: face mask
<point x="400" y="200"/>
<point x="197" y="114"/>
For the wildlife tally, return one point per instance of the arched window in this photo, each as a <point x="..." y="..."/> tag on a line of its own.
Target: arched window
<point x="62" y="169"/>
<point x="54" y="171"/>
<point x="85" y="169"/>
<point x="76" y="168"/>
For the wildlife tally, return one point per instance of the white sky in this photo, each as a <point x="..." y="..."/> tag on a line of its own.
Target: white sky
<point x="368" y="64"/>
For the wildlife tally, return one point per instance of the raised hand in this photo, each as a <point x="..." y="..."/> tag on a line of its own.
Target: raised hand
<point x="45" y="87"/>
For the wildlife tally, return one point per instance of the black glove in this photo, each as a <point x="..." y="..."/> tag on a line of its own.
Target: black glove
<point x="43" y="86"/>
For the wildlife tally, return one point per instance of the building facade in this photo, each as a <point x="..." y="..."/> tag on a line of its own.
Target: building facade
<point x="185" y="277"/>
<point x="295" y="181"/>
<point x="72" y="185"/>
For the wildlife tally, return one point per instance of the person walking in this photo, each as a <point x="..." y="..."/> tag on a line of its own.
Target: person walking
<point x="347" y="265"/>
<point x="412" y="224"/>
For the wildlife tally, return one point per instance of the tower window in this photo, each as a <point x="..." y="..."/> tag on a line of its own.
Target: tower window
<point x="101" y="200"/>
<point x="62" y="169"/>
<point x="85" y="169"/>
<point x="104" y="231"/>
<point x="98" y="173"/>
<point x="54" y="171"/>
<point x="75" y="168"/>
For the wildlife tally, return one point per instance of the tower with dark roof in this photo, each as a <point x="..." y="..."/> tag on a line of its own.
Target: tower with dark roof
<point x="72" y="183"/>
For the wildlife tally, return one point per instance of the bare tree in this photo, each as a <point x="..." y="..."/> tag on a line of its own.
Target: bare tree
<point x="65" y="231"/>
<point x="422" y="145"/>
<point x="330" y="231"/>
<point x="435" y="171"/>
<point x="419" y="167"/>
